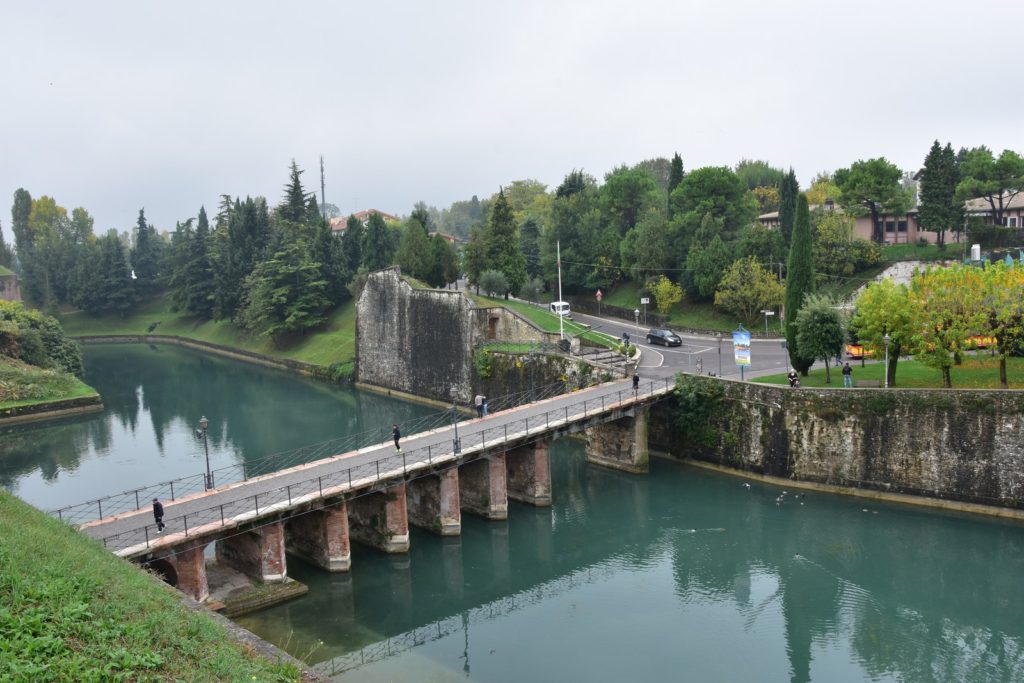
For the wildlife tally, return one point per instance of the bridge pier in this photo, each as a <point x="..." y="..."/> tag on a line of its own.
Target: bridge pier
<point x="380" y="520"/>
<point x="433" y="502"/>
<point x="529" y="473"/>
<point x="321" y="538"/>
<point x="258" y="553"/>
<point x="620" y="445"/>
<point x="482" y="487"/>
<point x="190" y="566"/>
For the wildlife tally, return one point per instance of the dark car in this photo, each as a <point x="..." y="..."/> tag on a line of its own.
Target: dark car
<point x="663" y="337"/>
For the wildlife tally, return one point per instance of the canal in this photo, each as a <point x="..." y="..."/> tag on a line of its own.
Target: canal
<point x="678" y="575"/>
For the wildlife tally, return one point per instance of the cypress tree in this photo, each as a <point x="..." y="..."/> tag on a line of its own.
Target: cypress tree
<point x="377" y="248"/>
<point x="675" y="176"/>
<point x="6" y="255"/>
<point x="146" y="255"/>
<point x="199" y="280"/>
<point x="788" y="191"/>
<point x="799" y="281"/>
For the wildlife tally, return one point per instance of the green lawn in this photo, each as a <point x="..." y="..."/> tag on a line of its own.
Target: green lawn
<point x="977" y="372"/>
<point x="624" y="295"/>
<point x="22" y="384"/>
<point x="72" y="611"/>
<point x="920" y="252"/>
<point x="333" y="343"/>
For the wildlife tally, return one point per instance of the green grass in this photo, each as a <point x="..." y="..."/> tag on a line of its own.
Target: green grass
<point x="72" y="611"/>
<point x="545" y="320"/>
<point x="977" y="372"/>
<point x="920" y="252"/>
<point x="22" y="384"/>
<point x="624" y="295"/>
<point x="333" y="343"/>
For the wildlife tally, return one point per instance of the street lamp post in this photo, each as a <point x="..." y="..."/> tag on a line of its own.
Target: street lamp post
<point x="636" y="320"/>
<point x="886" y="339"/>
<point x="456" y="448"/>
<point x="203" y="424"/>
<point x="719" y="335"/>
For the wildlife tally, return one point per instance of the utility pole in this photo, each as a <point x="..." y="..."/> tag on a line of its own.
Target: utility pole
<point x="323" y="204"/>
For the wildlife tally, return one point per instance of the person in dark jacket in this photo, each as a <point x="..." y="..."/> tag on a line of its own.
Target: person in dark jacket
<point x="636" y="384"/>
<point x="794" y="379"/>
<point x="397" y="435"/>
<point x="847" y="376"/>
<point x="158" y="515"/>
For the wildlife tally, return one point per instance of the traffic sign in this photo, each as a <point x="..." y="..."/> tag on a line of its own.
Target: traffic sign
<point x="599" y="295"/>
<point x="644" y="300"/>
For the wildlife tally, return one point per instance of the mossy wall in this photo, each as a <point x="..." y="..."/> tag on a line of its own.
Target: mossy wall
<point x="965" y="445"/>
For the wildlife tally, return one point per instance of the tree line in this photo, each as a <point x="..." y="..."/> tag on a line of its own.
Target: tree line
<point x="276" y="271"/>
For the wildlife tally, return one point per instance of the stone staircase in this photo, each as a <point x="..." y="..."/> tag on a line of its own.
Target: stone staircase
<point x="607" y="359"/>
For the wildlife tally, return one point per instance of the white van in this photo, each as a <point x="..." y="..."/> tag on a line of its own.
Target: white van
<point x="559" y="307"/>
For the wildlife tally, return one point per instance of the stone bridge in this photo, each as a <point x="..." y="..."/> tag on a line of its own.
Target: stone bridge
<point x="371" y="495"/>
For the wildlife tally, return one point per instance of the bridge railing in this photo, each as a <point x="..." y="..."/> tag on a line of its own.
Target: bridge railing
<point x="372" y="475"/>
<point x="138" y="498"/>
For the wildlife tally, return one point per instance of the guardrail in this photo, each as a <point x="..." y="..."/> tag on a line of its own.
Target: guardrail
<point x="137" y="498"/>
<point x="372" y="474"/>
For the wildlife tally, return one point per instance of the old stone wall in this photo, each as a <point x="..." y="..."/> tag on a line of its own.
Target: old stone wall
<point x="414" y="340"/>
<point x="965" y="445"/>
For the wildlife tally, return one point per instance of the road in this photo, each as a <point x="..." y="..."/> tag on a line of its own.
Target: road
<point x="699" y="353"/>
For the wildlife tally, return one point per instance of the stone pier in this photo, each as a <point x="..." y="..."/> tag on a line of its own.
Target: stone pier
<point x="433" y="502"/>
<point x="620" y="445"/>
<point x="380" y="520"/>
<point x="529" y="473"/>
<point x="190" y="567"/>
<point x="258" y="553"/>
<point x="321" y="538"/>
<point x="482" y="487"/>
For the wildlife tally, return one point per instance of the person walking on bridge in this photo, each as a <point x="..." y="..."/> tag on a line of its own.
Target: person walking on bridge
<point x="636" y="384"/>
<point x="397" y="434"/>
<point x="158" y="515"/>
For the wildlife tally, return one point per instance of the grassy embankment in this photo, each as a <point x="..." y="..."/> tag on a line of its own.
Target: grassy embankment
<point x="72" y="611"/>
<point x="977" y="372"/>
<point x="546" y="320"/>
<point x="333" y="344"/>
<point x="22" y="384"/>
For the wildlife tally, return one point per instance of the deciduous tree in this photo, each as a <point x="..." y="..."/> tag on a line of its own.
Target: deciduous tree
<point x="666" y="294"/>
<point x="947" y="303"/>
<point x="884" y="308"/>
<point x="1002" y="301"/>
<point x="819" y="330"/>
<point x="747" y="288"/>
<point x="872" y="186"/>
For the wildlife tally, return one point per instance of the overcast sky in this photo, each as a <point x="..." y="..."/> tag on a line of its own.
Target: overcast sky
<point x="120" y="105"/>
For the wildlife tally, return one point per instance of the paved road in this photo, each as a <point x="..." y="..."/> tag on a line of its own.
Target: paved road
<point x="133" y="532"/>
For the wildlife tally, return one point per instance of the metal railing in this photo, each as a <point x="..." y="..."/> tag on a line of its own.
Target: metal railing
<point x="372" y="475"/>
<point x="138" y="498"/>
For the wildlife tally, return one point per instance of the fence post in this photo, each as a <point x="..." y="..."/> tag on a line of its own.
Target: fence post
<point x="288" y="489"/>
<point x="245" y="475"/>
<point x="222" y="515"/>
<point x="377" y="463"/>
<point x="172" y="490"/>
<point x="146" y="529"/>
<point x="99" y="504"/>
<point x="185" y="520"/>
<point x="137" y="506"/>
<point x="403" y="462"/>
<point x="506" y="432"/>
<point x="428" y="453"/>
<point x="320" y="485"/>
<point x="256" y="500"/>
<point x="350" y="477"/>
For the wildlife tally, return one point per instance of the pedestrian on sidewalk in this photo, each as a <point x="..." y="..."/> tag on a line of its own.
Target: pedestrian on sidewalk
<point x="485" y="406"/>
<point x="478" y="401"/>
<point x="636" y="384"/>
<point x="158" y="515"/>
<point x="847" y="376"/>
<point x="397" y="435"/>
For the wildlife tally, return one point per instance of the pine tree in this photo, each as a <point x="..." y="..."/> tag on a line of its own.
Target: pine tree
<point x="414" y="255"/>
<point x="788" y="191"/>
<point x="285" y="294"/>
<point x="327" y="252"/>
<point x="800" y="281"/>
<point x="29" y="266"/>
<point x="502" y="244"/>
<point x="146" y="256"/>
<point x="377" y="248"/>
<point x="199" y="298"/>
<point x="529" y="244"/>
<point x="294" y="206"/>
<point x="940" y="211"/>
<point x="352" y="243"/>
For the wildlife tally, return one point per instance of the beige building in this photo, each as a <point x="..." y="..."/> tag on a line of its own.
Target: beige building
<point x="9" y="289"/>
<point x="904" y="229"/>
<point x="338" y="224"/>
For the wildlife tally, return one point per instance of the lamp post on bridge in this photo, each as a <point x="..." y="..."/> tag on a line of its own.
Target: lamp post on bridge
<point x="454" y="392"/>
<point x="886" y="339"/>
<point x="201" y="433"/>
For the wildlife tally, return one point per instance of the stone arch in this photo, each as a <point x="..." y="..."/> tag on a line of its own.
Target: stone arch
<point x="165" y="569"/>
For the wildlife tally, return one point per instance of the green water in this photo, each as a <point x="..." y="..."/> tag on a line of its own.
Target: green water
<point x="679" y="575"/>
<point x="154" y="396"/>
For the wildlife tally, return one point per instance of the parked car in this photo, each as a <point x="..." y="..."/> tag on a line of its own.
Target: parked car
<point x="664" y="337"/>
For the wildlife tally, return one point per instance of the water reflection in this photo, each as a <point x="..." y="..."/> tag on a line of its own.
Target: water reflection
<point x="153" y="398"/>
<point x="677" y="571"/>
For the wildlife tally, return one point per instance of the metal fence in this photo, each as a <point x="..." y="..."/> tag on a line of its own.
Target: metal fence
<point x="136" y="499"/>
<point x="372" y="475"/>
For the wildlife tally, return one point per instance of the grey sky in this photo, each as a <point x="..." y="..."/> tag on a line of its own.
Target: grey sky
<point x="115" y="106"/>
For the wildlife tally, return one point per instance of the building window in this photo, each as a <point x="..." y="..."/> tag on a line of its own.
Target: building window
<point x="890" y="226"/>
<point x="901" y="226"/>
<point x="1013" y="222"/>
